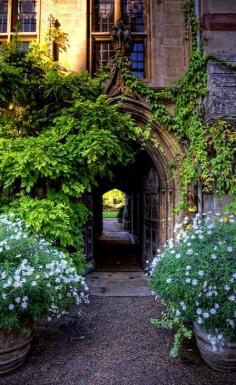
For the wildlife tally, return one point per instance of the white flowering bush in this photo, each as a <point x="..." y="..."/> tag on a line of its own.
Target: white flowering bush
<point x="36" y="280"/>
<point x="195" y="277"/>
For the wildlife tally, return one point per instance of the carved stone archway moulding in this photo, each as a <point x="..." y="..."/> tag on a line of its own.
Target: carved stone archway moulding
<point x="167" y="149"/>
<point x="163" y="154"/>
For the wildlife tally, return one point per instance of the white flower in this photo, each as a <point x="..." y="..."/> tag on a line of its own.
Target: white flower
<point x="168" y="280"/>
<point x="188" y="280"/>
<point x="188" y="267"/>
<point x="206" y="315"/>
<point x="213" y="256"/>
<point x="189" y="252"/>
<point x="11" y="306"/>
<point x="232" y="298"/>
<point x="216" y="306"/>
<point x="17" y="299"/>
<point x="24" y="305"/>
<point x="213" y="310"/>
<point x="229" y="249"/>
<point x="4" y="296"/>
<point x="194" y="282"/>
<point x="178" y="256"/>
<point x="33" y="283"/>
<point x="199" y="311"/>
<point x="231" y="323"/>
<point x="227" y="287"/>
<point x="201" y="273"/>
<point x="199" y="320"/>
<point x="234" y="275"/>
<point x="177" y="312"/>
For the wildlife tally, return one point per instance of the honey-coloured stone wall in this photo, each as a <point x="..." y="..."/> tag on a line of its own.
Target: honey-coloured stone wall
<point x="72" y="15"/>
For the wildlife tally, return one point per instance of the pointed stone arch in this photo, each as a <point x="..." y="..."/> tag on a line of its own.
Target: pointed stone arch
<point x="165" y="152"/>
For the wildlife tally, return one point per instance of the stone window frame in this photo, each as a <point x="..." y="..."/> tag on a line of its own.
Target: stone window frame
<point x="24" y="37"/>
<point x="100" y="37"/>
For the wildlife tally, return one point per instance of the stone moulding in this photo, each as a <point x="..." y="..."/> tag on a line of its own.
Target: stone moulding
<point x="220" y="103"/>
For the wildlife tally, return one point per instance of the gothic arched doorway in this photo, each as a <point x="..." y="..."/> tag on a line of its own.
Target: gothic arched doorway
<point x="150" y="185"/>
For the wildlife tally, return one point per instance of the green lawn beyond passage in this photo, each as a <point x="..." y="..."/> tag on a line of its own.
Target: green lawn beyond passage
<point x="110" y="214"/>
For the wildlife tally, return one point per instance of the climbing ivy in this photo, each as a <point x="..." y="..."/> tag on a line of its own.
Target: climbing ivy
<point x="209" y="149"/>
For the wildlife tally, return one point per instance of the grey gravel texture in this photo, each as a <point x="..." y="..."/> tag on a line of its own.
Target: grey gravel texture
<point x="112" y="343"/>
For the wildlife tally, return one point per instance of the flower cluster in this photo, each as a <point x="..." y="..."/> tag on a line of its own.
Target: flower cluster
<point x="195" y="277"/>
<point x="36" y="280"/>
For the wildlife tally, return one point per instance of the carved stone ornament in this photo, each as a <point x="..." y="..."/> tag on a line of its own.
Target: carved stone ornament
<point x="115" y="84"/>
<point x="120" y="37"/>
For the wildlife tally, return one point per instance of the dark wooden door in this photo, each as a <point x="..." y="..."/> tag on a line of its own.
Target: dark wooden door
<point x="151" y="213"/>
<point x="88" y="233"/>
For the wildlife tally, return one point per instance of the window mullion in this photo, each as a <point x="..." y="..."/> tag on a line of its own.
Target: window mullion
<point x="9" y="20"/>
<point x="117" y="14"/>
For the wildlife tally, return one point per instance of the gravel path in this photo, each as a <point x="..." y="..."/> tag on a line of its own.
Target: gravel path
<point x="112" y="343"/>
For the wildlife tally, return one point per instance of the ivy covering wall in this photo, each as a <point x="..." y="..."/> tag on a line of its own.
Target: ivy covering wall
<point x="209" y="148"/>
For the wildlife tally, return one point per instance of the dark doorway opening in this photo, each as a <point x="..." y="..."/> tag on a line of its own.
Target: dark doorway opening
<point x="126" y="246"/>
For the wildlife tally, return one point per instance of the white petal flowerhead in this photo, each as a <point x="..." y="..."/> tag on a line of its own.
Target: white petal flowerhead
<point x="229" y="249"/>
<point x="201" y="273"/>
<point x="213" y="310"/>
<point x="177" y="312"/>
<point x="189" y="252"/>
<point x="168" y="280"/>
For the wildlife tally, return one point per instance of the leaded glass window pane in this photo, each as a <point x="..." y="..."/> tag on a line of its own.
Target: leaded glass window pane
<point x="27" y="15"/>
<point x="104" y="54"/>
<point x="104" y="15"/>
<point x="137" y="57"/>
<point x="3" y="16"/>
<point x="133" y="14"/>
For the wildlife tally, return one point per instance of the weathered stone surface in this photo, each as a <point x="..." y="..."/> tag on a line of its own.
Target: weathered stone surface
<point x="221" y="100"/>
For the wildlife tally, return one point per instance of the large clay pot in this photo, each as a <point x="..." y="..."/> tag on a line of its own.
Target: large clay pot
<point x="14" y="346"/>
<point x="223" y="359"/>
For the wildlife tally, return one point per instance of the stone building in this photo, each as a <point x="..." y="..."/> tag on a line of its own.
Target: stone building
<point x="159" y="49"/>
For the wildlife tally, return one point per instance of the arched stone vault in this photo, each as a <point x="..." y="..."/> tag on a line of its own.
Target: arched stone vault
<point x="163" y="154"/>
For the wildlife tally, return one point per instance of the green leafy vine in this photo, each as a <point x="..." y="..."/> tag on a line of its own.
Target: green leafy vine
<point x="209" y="148"/>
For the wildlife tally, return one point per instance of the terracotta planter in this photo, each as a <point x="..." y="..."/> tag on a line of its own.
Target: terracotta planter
<point x="223" y="359"/>
<point x="14" y="346"/>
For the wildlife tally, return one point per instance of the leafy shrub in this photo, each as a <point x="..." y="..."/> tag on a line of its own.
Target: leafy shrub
<point x="36" y="279"/>
<point x="58" y="137"/>
<point x="196" y="278"/>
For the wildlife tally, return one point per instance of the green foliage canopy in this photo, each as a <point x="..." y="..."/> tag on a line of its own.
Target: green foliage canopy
<point x="58" y="134"/>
